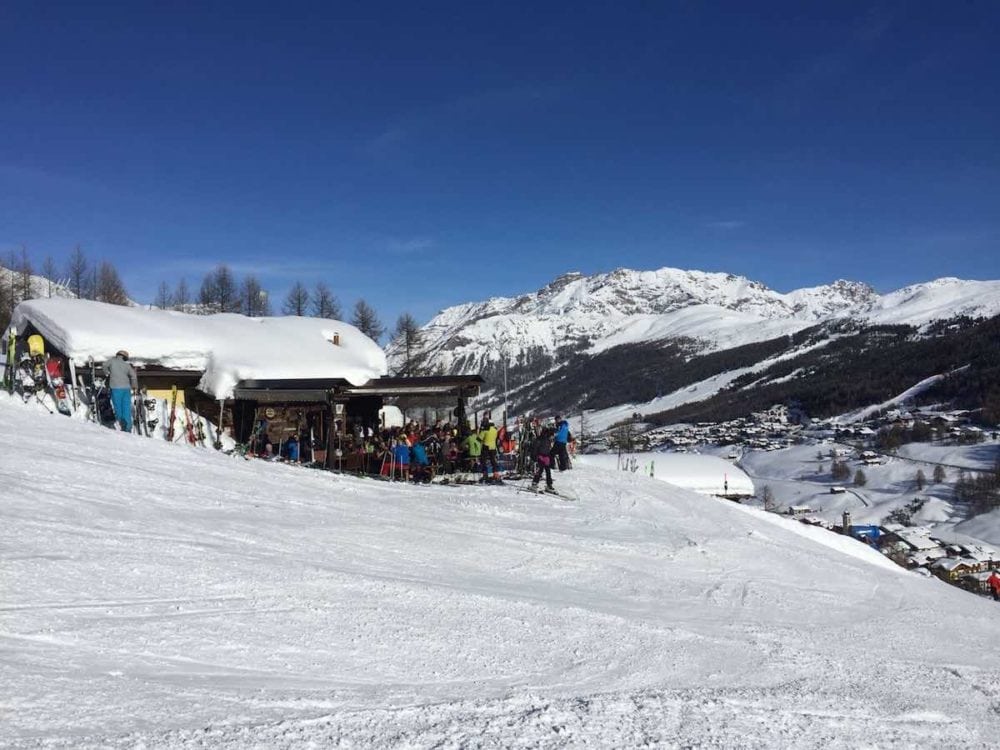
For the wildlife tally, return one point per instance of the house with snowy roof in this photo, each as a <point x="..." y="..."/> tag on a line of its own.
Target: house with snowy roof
<point x="987" y="557"/>
<point x="912" y="547"/>
<point x="311" y="374"/>
<point x="952" y="569"/>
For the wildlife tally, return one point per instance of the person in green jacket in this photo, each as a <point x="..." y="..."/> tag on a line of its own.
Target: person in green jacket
<point x="473" y="448"/>
<point x="488" y="459"/>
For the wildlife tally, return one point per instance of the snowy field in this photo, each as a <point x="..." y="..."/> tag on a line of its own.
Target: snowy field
<point x="797" y="476"/>
<point x="159" y="595"/>
<point x="704" y="474"/>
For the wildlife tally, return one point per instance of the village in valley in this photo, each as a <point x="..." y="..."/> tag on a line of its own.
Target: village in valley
<point x="841" y="461"/>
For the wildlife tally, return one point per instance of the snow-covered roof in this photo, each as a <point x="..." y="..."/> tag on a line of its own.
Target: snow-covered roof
<point x="226" y="347"/>
<point x="918" y="538"/>
<point x="980" y="553"/>
<point x="926" y="556"/>
<point x="953" y="563"/>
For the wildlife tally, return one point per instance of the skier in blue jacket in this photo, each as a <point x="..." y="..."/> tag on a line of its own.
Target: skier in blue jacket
<point x="559" y="441"/>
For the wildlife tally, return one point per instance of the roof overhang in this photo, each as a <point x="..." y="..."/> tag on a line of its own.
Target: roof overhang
<point x="327" y="389"/>
<point x="432" y="385"/>
<point x="300" y="390"/>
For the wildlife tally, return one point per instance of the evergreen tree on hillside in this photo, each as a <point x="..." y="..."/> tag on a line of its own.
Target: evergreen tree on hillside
<point x="49" y="271"/>
<point x="109" y="287"/>
<point x="366" y="321"/>
<point x="219" y="292"/>
<point x="6" y="298"/>
<point x="324" y="303"/>
<point x="407" y="337"/>
<point x="256" y="302"/>
<point x="77" y="270"/>
<point x="297" y="300"/>
<point x="839" y="470"/>
<point x="6" y="309"/>
<point x="182" y="296"/>
<point x="24" y="273"/>
<point x="163" y="296"/>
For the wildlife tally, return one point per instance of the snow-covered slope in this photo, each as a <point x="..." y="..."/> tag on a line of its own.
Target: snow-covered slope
<point x="939" y="299"/>
<point x="709" y="311"/>
<point x="156" y="595"/>
<point x="39" y="286"/>
<point x="800" y="475"/>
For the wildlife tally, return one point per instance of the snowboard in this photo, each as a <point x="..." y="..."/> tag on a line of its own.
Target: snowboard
<point x="150" y="407"/>
<point x="57" y="386"/>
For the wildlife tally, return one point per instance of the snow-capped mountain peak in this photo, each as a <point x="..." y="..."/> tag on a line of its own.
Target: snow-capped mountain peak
<point x="707" y="310"/>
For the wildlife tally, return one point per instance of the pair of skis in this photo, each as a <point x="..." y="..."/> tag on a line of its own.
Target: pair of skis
<point x="10" y="370"/>
<point x="193" y="437"/>
<point x="546" y="491"/>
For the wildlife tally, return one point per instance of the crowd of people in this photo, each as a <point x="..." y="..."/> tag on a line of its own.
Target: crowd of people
<point x="448" y="451"/>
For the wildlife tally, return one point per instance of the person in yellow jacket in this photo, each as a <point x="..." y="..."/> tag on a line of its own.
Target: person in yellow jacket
<point x="472" y="446"/>
<point x="488" y="459"/>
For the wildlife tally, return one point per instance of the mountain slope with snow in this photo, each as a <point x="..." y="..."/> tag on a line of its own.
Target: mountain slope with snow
<point x="159" y="595"/>
<point x="625" y="306"/>
<point x="583" y="316"/>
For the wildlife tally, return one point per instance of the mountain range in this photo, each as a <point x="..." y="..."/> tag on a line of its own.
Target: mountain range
<point x="643" y="330"/>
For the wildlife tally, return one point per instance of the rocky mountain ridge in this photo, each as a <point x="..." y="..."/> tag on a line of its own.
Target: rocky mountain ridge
<point x="707" y="311"/>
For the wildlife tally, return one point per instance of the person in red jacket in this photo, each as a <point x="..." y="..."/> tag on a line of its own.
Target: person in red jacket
<point x="994" y="582"/>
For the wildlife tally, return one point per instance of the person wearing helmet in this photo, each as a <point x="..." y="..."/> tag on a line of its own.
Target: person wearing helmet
<point x="122" y="380"/>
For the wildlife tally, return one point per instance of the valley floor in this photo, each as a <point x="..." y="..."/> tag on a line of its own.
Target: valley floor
<point x="164" y="596"/>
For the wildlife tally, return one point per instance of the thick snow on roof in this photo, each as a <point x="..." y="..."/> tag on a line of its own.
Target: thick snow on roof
<point x="227" y="347"/>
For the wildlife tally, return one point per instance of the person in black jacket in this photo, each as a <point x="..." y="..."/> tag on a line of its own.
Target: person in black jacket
<point x="543" y="459"/>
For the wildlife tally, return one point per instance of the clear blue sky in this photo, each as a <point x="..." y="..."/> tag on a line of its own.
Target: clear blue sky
<point x="423" y="154"/>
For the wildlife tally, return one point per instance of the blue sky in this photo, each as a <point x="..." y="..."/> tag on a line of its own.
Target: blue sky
<point x="424" y="154"/>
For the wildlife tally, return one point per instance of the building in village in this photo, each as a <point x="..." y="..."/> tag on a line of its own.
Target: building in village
<point x="911" y="547"/>
<point x="306" y="376"/>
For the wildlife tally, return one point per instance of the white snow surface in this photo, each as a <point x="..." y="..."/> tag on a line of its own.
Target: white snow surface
<point x="227" y="347"/>
<point x="706" y="475"/>
<point x="902" y="399"/>
<point x="159" y="595"/>
<point x="800" y="475"/>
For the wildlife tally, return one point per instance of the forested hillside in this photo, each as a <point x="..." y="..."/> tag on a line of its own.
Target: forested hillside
<point x="868" y="367"/>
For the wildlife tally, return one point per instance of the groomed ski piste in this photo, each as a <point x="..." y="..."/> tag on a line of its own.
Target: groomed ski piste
<point x="162" y="596"/>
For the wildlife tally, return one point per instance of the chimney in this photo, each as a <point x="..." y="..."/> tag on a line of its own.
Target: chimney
<point x="847" y="522"/>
